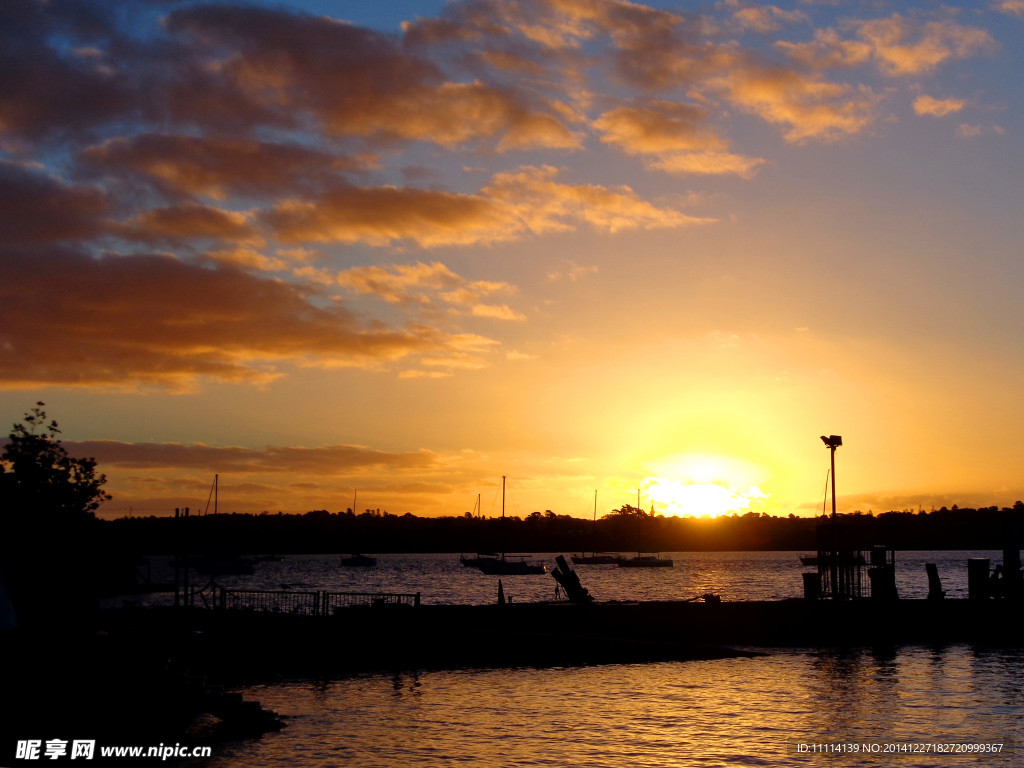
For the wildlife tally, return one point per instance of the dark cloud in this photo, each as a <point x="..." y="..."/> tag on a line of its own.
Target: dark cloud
<point x="69" y="318"/>
<point x="36" y="208"/>
<point x="190" y="222"/>
<point x="46" y="89"/>
<point x="325" y="460"/>
<point x="355" y="81"/>
<point x="216" y="167"/>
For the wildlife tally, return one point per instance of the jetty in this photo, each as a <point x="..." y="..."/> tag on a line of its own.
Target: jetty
<point x="390" y="632"/>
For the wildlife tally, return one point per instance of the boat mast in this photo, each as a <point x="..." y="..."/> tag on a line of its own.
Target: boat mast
<point x="503" y="497"/>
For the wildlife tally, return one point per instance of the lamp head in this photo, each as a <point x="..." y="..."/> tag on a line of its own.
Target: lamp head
<point x="832" y="441"/>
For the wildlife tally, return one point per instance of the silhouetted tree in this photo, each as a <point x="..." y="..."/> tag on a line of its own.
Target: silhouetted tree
<point x="41" y="478"/>
<point x="50" y="565"/>
<point x="627" y="511"/>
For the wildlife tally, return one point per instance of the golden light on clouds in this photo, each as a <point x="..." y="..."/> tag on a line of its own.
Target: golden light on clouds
<point x="553" y="239"/>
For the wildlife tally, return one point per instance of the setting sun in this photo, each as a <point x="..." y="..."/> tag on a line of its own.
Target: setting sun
<point x="698" y="485"/>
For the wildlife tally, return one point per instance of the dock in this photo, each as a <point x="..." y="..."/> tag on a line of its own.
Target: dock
<point x="387" y="635"/>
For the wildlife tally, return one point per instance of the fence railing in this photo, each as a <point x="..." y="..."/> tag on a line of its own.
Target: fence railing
<point x="318" y="603"/>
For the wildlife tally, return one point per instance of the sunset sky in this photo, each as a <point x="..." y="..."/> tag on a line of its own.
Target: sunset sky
<point x="394" y="251"/>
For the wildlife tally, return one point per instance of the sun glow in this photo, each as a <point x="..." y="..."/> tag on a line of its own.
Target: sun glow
<point x="703" y="486"/>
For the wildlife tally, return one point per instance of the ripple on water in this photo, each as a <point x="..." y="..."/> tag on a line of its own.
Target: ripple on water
<point x="726" y="712"/>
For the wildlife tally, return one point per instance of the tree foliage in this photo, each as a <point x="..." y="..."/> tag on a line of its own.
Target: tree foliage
<point x="40" y="477"/>
<point x="628" y="511"/>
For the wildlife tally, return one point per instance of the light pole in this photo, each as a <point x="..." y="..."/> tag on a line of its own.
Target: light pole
<point x="833" y="442"/>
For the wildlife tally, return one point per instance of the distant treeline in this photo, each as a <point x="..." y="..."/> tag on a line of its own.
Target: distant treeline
<point x="624" y="530"/>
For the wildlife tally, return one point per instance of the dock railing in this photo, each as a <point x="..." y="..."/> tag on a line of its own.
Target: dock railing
<point x="318" y="603"/>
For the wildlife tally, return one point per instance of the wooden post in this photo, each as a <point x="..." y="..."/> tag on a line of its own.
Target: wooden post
<point x="934" y="584"/>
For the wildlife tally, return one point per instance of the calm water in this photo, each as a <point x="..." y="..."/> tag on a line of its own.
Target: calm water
<point x="732" y="712"/>
<point x="442" y="580"/>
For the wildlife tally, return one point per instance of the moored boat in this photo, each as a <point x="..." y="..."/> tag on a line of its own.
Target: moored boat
<point x="597" y="558"/>
<point x="500" y="564"/>
<point x="509" y="565"/>
<point x="646" y="561"/>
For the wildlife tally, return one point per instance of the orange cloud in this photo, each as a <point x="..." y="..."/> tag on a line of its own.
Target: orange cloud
<point x="72" y="319"/>
<point x="512" y="205"/>
<point x="827" y="51"/>
<point x="191" y="221"/>
<point x="899" y="45"/>
<point x="503" y="312"/>
<point x="418" y="284"/>
<point x="811" y="107"/>
<point x="540" y="204"/>
<point x="382" y="215"/>
<point x="360" y="83"/>
<point x="903" y="47"/>
<point x="708" y="164"/>
<point x="765" y="19"/>
<point x="657" y="126"/>
<point x="1016" y="7"/>
<point x="927" y="105"/>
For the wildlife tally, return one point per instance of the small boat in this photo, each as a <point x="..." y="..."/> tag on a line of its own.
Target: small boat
<point x="646" y="561"/>
<point x="495" y="564"/>
<point x="597" y="558"/>
<point x="509" y="565"/>
<point x="474" y="562"/>
<point x="359" y="561"/>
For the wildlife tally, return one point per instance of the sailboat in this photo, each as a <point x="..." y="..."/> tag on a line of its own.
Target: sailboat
<point x="646" y="561"/>
<point x="220" y="563"/>
<point x="495" y="564"/>
<point x="596" y="558"/>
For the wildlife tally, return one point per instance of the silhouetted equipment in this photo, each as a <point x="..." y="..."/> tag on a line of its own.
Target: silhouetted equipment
<point x="812" y="585"/>
<point x="570" y="582"/>
<point x="934" y="584"/>
<point x="882" y="573"/>
<point x="501" y="593"/>
<point x="1013" y="580"/>
<point x="977" y="578"/>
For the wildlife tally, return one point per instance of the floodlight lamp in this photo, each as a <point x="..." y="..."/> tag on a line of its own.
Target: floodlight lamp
<point x="832" y="441"/>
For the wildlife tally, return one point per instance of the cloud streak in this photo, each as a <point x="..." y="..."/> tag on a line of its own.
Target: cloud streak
<point x="331" y="460"/>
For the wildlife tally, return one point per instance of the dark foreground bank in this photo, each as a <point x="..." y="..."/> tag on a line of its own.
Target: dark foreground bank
<point x="149" y="675"/>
